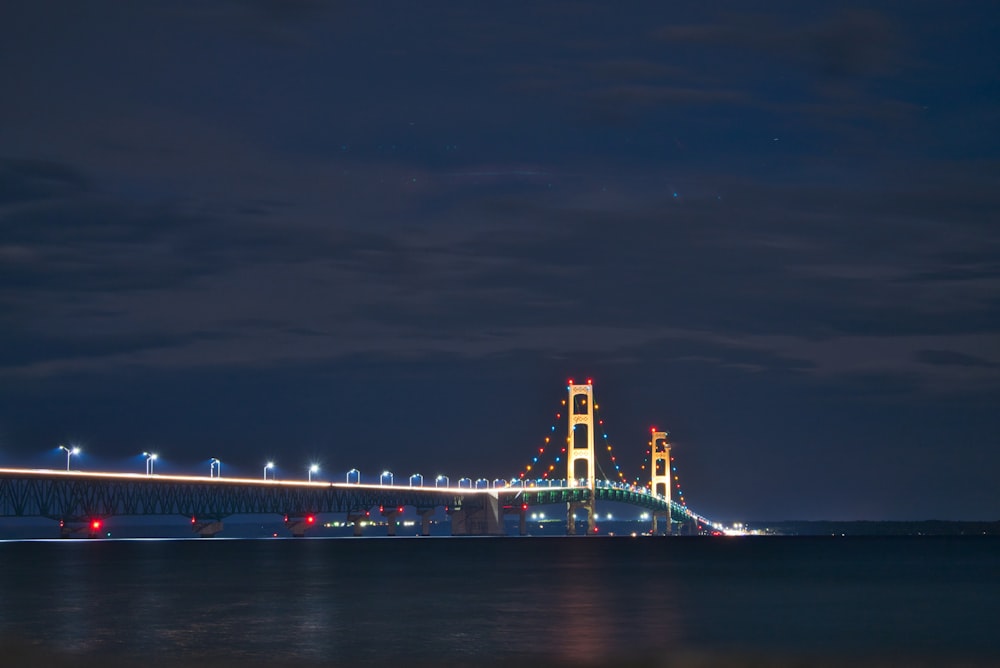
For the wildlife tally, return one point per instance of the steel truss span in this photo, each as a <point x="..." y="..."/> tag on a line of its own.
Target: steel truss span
<point x="63" y="497"/>
<point x="75" y="496"/>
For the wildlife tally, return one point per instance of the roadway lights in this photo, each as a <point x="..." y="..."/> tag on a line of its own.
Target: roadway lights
<point x="269" y="465"/>
<point x="418" y="479"/>
<point x="385" y="474"/>
<point x="440" y="478"/>
<point x="69" y="453"/>
<point x="215" y="468"/>
<point x="357" y="476"/>
<point x="150" y="458"/>
<point x="313" y="469"/>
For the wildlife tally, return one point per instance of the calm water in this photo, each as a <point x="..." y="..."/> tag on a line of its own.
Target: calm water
<point x="446" y="601"/>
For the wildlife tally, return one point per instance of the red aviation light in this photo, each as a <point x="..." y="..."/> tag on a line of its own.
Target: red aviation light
<point x="193" y="519"/>
<point x="570" y="381"/>
<point x="400" y="509"/>
<point x="310" y="519"/>
<point x="95" y="524"/>
<point x="524" y="506"/>
<point x="590" y="382"/>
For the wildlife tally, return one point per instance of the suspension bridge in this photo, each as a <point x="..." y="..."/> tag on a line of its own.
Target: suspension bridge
<point x="82" y="501"/>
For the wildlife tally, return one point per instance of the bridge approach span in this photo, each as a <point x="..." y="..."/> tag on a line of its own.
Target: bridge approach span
<point x="77" y="498"/>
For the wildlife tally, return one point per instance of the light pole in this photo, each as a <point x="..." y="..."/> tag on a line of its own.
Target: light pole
<point x="213" y="465"/>
<point x="356" y="473"/>
<point x="381" y="478"/>
<point x="419" y="479"/>
<point x="69" y="453"/>
<point x="269" y="465"/>
<point x="313" y="469"/>
<point x="150" y="458"/>
<point x="440" y="478"/>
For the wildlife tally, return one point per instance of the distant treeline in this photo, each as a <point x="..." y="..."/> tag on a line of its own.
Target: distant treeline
<point x="870" y="528"/>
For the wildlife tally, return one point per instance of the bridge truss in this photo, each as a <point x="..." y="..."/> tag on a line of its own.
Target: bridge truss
<point x="75" y="497"/>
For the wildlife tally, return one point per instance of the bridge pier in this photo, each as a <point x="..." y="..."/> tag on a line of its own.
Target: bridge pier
<point x="299" y="525"/>
<point x="687" y="528"/>
<point x="522" y="516"/>
<point x="357" y="516"/>
<point x="76" y="528"/>
<point x="390" y="514"/>
<point x="667" y="520"/>
<point x="485" y="519"/>
<point x="571" y="509"/>
<point x="425" y="520"/>
<point x="206" y="528"/>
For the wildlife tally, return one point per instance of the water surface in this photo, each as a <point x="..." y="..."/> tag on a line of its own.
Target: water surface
<point x="451" y="601"/>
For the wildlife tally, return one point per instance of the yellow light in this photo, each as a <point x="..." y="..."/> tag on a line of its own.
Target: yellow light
<point x="528" y="468"/>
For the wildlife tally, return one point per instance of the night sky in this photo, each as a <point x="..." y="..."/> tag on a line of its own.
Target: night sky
<point x="384" y="235"/>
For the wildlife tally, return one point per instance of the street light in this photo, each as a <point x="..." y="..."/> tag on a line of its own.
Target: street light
<point x="69" y="453"/>
<point x="150" y="458"/>
<point x="313" y="469"/>
<point x="440" y="478"/>
<point x="269" y="465"/>
<point x="419" y="479"/>
<point x="356" y="473"/>
<point x="213" y="465"/>
<point x="381" y="478"/>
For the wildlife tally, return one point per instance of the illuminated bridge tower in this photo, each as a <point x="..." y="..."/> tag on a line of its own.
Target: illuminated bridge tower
<point x="660" y="472"/>
<point x="580" y="469"/>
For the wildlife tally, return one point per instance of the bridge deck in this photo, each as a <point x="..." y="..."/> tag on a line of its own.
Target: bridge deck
<point x="75" y="495"/>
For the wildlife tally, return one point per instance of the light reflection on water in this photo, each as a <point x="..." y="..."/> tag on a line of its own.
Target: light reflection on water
<point x="574" y="600"/>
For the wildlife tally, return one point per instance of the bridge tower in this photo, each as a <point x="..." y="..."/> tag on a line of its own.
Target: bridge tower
<point x="580" y="468"/>
<point x="660" y="472"/>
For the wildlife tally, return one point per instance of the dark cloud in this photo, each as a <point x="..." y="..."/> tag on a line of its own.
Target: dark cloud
<point x="948" y="358"/>
<point x="32" y="180"/>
